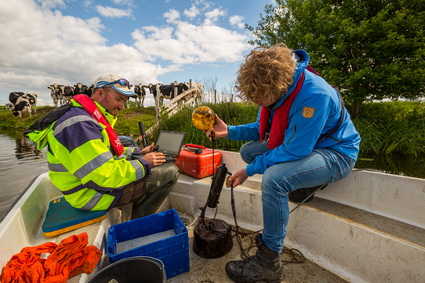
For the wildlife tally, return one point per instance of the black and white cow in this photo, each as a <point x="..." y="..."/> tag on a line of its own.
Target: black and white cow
<point x="89" y="90"/>
<point x="14" y="95"/>
<point x="21" y="105"/>
<point x="141" y="93"/>
<point x="32" y="98"/>
<point x="20" y="102"/>
<point x="67" y="93"/>
<point x="9" y="106"/>
<point x="80" y="88"/>
<point x="170" y="91"/>
<point x="56" y="94"/>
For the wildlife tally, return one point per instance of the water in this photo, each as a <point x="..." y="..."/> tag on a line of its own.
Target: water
<point x="20" y="163"/>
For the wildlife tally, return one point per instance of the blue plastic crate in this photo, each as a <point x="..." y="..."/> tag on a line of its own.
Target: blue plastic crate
<point x="172" y="251"/>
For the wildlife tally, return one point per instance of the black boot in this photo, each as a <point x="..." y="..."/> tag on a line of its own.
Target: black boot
<point x="301" y="194"/>
<point x="264" y="266"/>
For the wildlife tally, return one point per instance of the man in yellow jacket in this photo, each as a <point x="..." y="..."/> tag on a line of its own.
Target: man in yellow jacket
<point x="87" y="161"/>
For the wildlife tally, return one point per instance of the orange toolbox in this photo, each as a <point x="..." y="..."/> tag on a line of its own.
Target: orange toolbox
<point x="197" y="160"/>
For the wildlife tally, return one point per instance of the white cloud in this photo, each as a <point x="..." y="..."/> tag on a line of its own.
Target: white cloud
<point x="237" y="21"/>
<point x="190" y="44"/>
<point x="113" y="12"/>
<point x="211" y="17"/>
<point x="123" y="2"/>
<point x="171" y="15"/>
<point x="50" y="4"/>
<point x="192" y="12"/>
<point x="40" y="47"/>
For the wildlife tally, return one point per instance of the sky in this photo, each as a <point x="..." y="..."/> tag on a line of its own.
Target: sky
<point x="146" y="41"/>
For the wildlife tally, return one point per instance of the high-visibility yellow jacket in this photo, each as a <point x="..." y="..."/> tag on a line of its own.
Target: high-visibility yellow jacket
<point x="81" y="163"/>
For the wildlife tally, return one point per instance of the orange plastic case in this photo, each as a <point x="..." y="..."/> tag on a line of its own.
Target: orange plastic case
<point x="197" y="161"/>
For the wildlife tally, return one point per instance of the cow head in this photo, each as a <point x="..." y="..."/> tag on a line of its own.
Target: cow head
<point x="9" y="106"/>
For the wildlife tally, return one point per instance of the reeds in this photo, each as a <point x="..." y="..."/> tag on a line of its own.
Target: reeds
<point x="392" y="128"/>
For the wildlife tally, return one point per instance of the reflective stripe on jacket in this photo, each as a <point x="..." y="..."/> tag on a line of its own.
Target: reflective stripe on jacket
<point x="82" y="165"/>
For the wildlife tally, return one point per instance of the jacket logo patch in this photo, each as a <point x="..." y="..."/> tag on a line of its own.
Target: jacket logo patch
<point x="308" y="112"/>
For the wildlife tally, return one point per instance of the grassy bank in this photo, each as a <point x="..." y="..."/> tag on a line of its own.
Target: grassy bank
<point x="386" y="128"/>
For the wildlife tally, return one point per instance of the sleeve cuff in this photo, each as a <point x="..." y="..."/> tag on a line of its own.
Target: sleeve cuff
<point x="146" y="165"/>
<point x="249" y="170"/>
<point x="231" y="132"/>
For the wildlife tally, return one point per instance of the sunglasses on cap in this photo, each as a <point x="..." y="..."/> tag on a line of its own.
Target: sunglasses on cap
<point x="122" y="82"/>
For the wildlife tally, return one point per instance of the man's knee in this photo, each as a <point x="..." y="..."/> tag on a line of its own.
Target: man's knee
<point x="165" y="173"/>
<point x="248" y="152"/>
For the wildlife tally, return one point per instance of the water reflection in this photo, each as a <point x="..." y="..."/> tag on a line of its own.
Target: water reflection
<point x="26" y="149"/>
<point x="20" y="163"/>
<point x="404" y="165"/>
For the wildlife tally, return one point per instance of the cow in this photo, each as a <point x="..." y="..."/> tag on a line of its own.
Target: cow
<point x="67" y="93"/>
<point x="32" y="98"/>
<point x="14" y="95"/>
<point x="80" y="88"/>
<point x="199" y="92"/>
<point x="22" y="104"/>
<point x="89" y="90"/>
<point x="56" y="94"/>
<point x="9" y="106"/>
<point x="141" y="93"/>
<point x="170" y="91"/>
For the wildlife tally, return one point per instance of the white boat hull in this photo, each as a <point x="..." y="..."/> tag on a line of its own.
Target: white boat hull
<point x="368" y="227"/>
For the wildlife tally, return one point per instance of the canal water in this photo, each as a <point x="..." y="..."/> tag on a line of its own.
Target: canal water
<point x="21" y="162"/>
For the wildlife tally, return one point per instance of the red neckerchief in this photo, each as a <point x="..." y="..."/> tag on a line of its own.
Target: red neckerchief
<point x="280" y="118"/>
<point x="92" y="109"/>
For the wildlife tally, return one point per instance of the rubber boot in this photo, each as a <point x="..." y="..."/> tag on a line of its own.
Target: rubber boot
<point x="264" y="266"/>
<point x="159" y="185"/>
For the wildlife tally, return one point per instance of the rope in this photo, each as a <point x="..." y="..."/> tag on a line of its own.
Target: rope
<point x="295" y="256"/>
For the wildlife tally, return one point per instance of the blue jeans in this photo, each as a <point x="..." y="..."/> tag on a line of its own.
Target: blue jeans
<point x="320" y="167"/>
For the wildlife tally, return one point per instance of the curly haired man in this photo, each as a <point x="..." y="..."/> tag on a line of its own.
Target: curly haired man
<point x="303" y="138"/>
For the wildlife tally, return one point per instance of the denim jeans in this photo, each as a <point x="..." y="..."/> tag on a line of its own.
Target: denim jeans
<point x="320" y="167"/>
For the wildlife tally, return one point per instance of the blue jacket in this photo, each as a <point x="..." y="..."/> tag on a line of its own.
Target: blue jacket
<point x="302" y="134"/>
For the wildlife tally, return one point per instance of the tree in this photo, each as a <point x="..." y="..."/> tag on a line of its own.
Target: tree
<point x="210" y="86"/>
<point x="370" y="49"/>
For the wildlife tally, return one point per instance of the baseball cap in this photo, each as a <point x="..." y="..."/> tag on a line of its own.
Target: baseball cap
<point x="119" y="84"/>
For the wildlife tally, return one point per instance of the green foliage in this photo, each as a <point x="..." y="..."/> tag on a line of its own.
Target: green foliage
<point x="128" y="119"/>
<point x="10" y="122"/>
<point x="392" y="128"/>
<point x="230" y="113"/>
<point x="386" y="128"/>
<point x="370" y="49"/>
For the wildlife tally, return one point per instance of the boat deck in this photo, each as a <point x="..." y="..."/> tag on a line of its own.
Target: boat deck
<point x="212" y="270"/>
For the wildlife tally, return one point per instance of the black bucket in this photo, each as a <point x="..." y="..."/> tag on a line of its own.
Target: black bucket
<point x="212" y="238"/>
<point x="133" y="269"/>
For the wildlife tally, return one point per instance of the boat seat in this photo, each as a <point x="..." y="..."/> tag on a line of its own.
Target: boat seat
<point x="61" y="217"/>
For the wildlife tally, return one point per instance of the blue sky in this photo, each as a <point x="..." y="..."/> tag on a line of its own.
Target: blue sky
<point x="69" y="41"/>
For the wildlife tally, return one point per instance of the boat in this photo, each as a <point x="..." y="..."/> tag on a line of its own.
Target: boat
<point x="368" y="227"/>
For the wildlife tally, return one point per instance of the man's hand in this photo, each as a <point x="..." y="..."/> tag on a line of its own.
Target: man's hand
<point x="147" y="149"/>
<point x="154" y="158"/>
<point x="219" y="129"/>
<point x="238" y="178"/>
